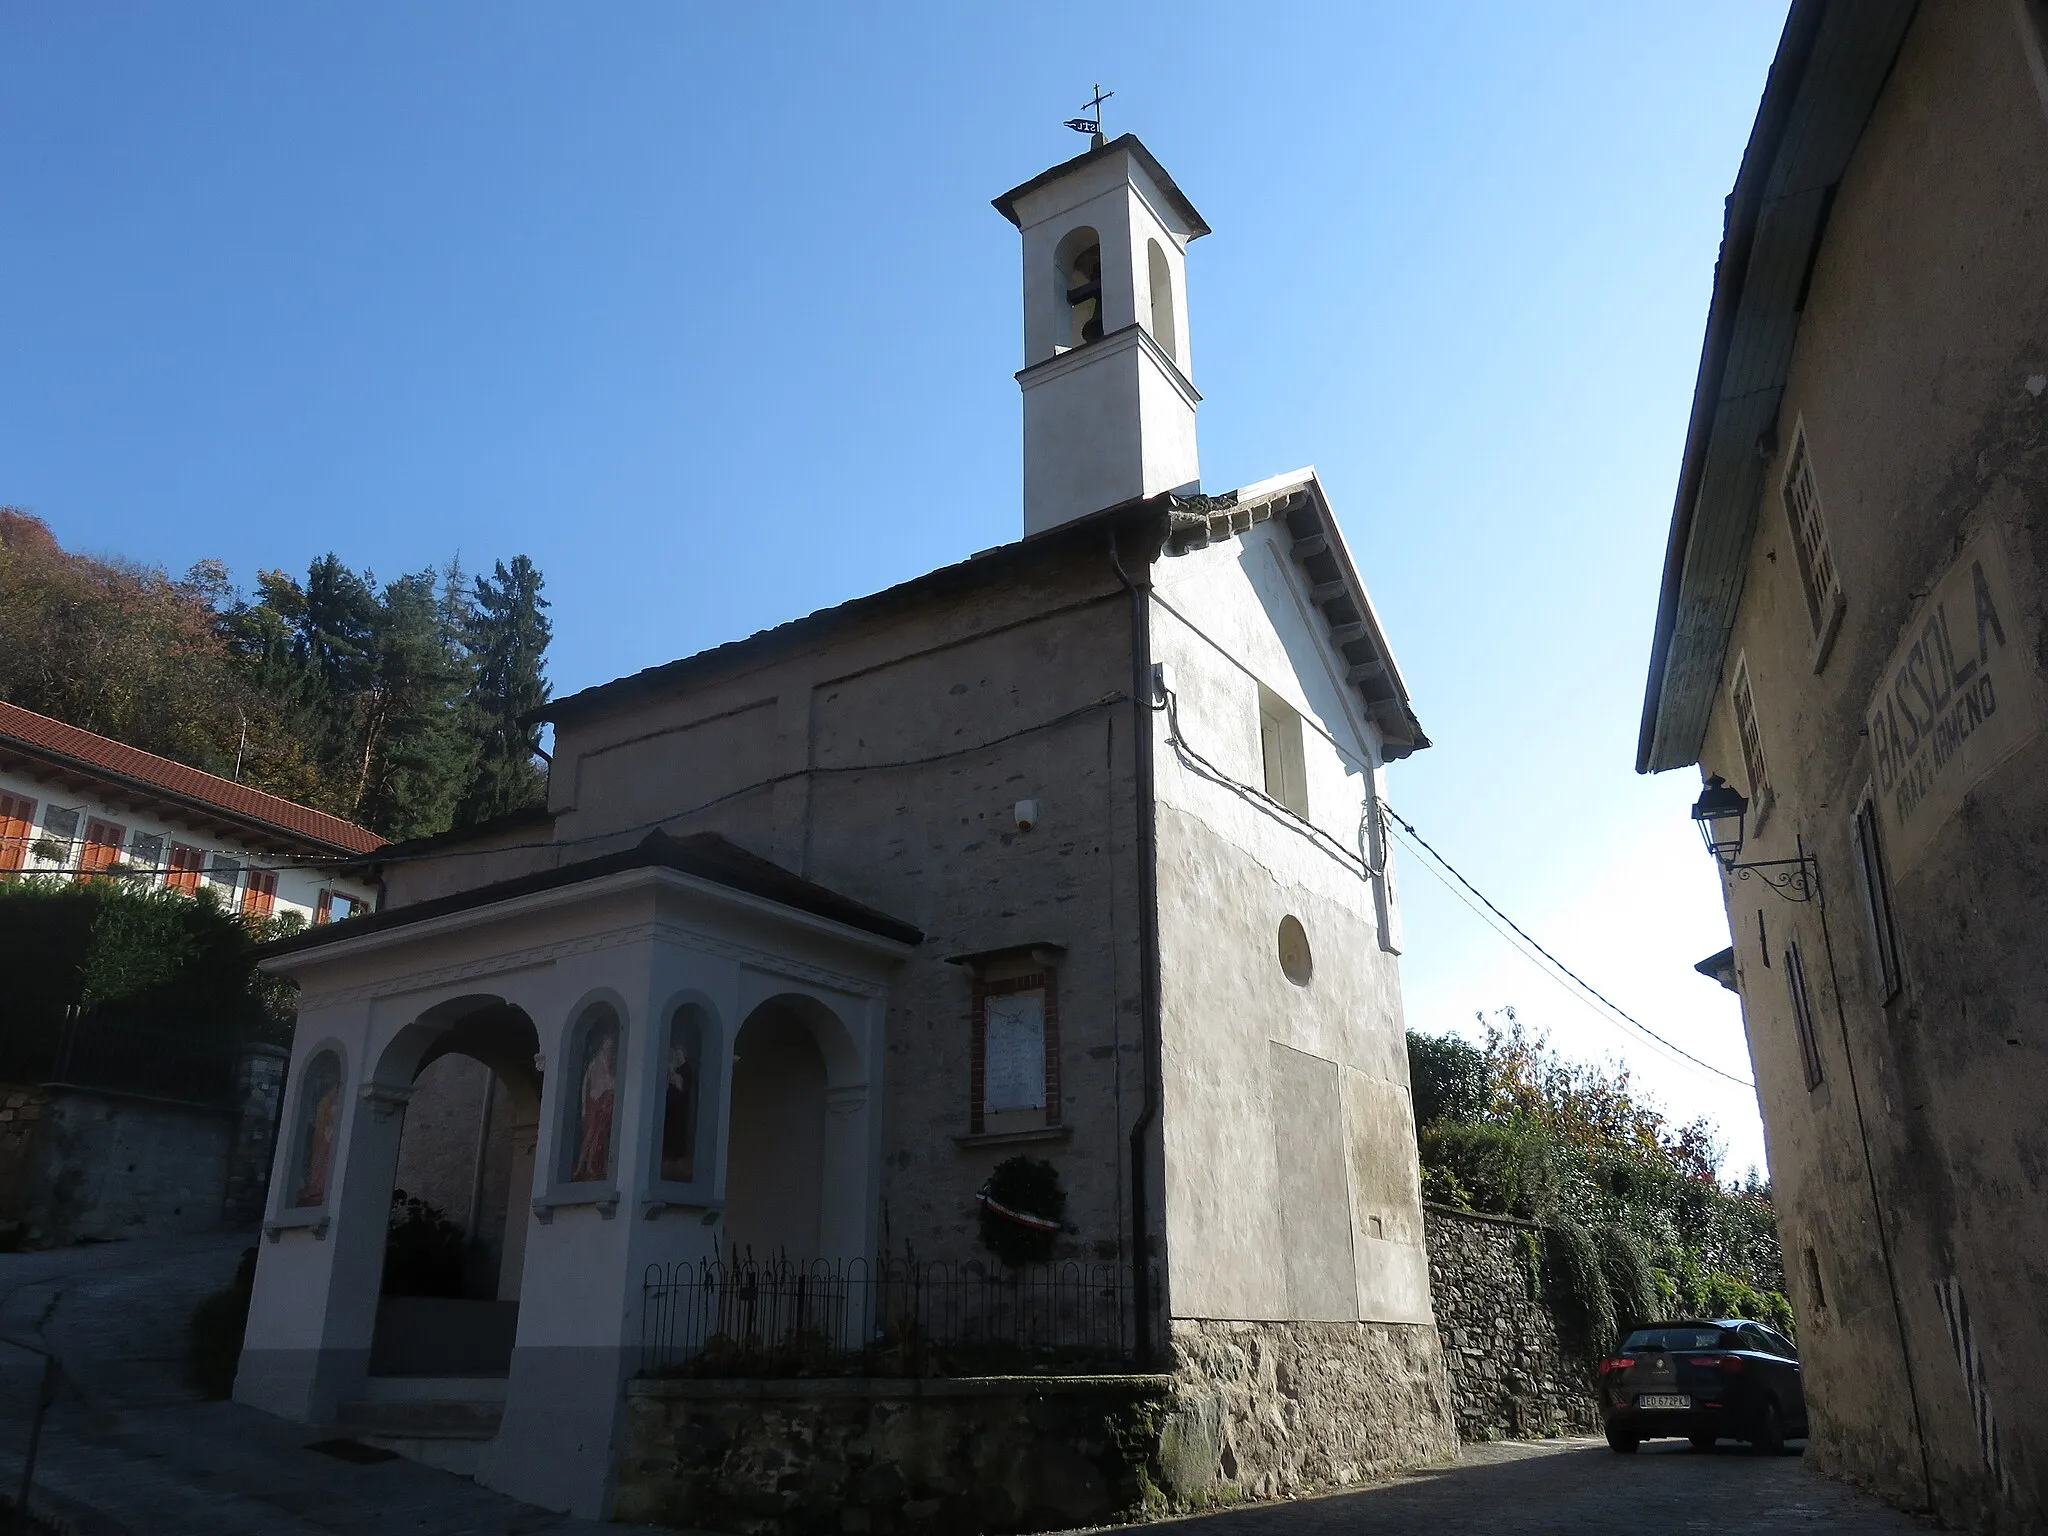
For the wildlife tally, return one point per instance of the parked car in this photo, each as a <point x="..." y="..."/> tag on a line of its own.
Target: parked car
<point x="1726" y="1378"/>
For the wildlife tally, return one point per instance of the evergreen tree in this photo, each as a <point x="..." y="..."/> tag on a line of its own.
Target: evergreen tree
<point x="414" y="757"/>
<point x="507" y="634"/>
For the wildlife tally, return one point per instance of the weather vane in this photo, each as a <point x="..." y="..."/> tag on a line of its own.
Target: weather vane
<point x="1092" y="126"/>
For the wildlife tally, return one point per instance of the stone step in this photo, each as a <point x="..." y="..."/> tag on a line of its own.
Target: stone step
<point x="421" y="1419"/>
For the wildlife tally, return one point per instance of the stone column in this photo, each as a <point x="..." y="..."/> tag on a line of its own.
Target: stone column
<point x="259" y="1091"/>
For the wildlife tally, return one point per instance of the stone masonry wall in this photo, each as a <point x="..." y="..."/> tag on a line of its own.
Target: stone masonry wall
<point x="1513" y="1370"/>
<point x="808" y="1457"/>
<point x="1263" y="1409"/>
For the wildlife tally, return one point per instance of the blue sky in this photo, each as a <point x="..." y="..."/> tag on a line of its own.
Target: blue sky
<point x="706" y="310"/>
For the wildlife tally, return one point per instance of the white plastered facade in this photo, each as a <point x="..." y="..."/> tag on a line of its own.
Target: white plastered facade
<point x="645" y="942"/>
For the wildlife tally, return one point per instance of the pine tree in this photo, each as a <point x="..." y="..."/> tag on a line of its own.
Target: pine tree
<point x="415" y="755"/>
<point x="507" y="634"/>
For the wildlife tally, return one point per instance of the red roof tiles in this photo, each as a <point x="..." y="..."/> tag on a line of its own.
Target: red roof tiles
<point x="54" y="739"/>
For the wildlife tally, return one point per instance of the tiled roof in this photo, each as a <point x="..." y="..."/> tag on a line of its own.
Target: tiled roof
<point x="53" y="739"/>
<point x="705" y="855"/>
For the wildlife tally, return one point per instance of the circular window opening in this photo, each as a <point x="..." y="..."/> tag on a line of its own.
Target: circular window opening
<point x="1295" y="959"/>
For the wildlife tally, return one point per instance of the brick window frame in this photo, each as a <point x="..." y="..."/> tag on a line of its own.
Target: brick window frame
<point x="1004" y="973"/>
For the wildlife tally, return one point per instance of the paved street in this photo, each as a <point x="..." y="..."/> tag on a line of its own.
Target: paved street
<point x="130" y="1448"/>
<point x="1579" y="1487"/>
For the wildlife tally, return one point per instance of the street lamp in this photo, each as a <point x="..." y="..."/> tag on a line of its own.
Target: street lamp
<point x="1719" y="814"/>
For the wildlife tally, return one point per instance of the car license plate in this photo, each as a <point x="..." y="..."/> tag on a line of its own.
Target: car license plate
<point x="1649" y="1400"/>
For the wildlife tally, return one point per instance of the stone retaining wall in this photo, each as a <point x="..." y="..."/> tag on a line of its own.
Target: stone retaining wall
<point x="807" y="1457"/>
<point x="1262" y="1409"/>
<point x="1514" y="1369"/>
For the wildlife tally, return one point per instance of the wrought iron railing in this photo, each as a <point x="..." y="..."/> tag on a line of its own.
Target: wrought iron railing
<point x="889" y="1317"/>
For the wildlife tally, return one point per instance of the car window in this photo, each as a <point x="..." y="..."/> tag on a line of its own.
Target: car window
<point x="1776" y="1343"/>
<point x="1673" y="1338"/>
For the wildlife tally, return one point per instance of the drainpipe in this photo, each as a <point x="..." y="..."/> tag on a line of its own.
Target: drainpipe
<point x="1148" y="948"/>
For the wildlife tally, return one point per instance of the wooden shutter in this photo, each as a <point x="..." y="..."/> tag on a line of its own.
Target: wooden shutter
<point x="103" y="841"/>
<point x="17" y="815"/>
<point x="185" y="866"/>
<point x="259" y="897"/>
<point x="324" y="912"/>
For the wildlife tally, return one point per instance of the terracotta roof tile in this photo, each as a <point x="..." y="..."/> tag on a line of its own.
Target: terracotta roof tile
<point x="53" y="738"/>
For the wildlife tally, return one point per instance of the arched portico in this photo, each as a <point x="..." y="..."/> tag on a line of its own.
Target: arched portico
<point x="609" y="1005"/>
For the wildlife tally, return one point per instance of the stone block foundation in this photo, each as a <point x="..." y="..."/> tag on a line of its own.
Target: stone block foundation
<point x="1268" y="1409"/>
<point x="852" y="1455"/>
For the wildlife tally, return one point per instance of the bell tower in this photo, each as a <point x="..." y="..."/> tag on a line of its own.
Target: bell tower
<point x="1109" y="402"/>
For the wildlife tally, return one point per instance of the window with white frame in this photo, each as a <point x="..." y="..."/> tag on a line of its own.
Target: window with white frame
<point x="1817" y="575"/>
<point x="1280" y="746"/>
<point x="1743" y="697"/>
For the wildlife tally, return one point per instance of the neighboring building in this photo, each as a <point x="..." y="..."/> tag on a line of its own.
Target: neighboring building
<point x="1071" y="850"/>
<point x="1851" y="635"/>
<point x="76" y="804"/>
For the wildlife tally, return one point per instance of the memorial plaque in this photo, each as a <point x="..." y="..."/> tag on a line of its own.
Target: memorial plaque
<point x="1957" y="698"/>
<point x="1013" y="1072"/>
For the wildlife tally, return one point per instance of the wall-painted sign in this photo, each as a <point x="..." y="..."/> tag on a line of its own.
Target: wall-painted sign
<point x="1957" y="698"/>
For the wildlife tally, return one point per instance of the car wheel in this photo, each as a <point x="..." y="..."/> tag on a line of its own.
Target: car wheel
<point x="1701" y="1442"/>
<point x="1622" y="1442"/>
<point x="1768" y="1437"/>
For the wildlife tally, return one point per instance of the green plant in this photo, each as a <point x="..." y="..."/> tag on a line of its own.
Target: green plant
<point x="1028" y="1187"/>
<point x="424" y="1251"/>
<point x="1573" y="1265"/>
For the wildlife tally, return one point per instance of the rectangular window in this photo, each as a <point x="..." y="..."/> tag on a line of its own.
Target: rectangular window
<point x="185" y="866"/>
<point x="224" y="875"/>
<point x="1280" y="746"/>
<point x="1877" y="899"/>
<point x="146" y="851"/>
<point x="1817" y="578"/>
<point x="60" y="827"/>
<point x="1743" y="698"/>
<point x="103" y="840"/>
<point x="1802" y="1015"/>
<point x="17" y="815"/>
<point x="259" y="897"/>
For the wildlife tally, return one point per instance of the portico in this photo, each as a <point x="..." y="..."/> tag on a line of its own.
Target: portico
<point x="608" y="997"/>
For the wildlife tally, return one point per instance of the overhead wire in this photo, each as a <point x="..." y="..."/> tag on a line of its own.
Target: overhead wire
<point x="1421" y="845"/>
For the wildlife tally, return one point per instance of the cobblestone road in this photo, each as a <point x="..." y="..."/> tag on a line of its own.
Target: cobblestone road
<point x="1580" y="1488"/>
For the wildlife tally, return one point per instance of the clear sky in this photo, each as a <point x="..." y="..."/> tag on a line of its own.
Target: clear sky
<point x="706" y="310"/>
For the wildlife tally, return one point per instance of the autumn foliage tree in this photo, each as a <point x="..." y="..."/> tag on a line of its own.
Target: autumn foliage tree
<point x="397" y="705"/>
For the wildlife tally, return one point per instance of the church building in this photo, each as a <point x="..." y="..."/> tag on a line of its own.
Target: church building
<point x="1071" y="852"/>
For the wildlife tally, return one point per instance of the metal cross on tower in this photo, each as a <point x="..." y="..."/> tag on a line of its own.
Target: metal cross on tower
<point x="1092" y="126"/>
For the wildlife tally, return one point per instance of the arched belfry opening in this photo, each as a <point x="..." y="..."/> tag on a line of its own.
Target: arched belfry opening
<point x="1080" y="278"/>
<point x="1159" y="278"/>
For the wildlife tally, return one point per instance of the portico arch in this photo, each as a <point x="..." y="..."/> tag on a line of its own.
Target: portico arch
<point x="795" y="1161"/>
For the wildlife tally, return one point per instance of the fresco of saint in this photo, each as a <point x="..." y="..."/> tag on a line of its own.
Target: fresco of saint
<point x="320" y="1108"/>
<point x="679" y="1107"/>
<point x="598" y="1091"/>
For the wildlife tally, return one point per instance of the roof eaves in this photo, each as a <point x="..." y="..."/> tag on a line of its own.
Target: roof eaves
<point x="1006" y="205"/>
<point x="824" y="621"/>
<point x="1335" y="589"/>
<point x="1829" y="70"/>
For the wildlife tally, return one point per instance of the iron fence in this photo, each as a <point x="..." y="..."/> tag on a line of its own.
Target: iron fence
<point x="888" y="1317"/>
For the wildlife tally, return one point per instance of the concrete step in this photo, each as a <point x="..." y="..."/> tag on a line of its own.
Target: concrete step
<point x="448" y="1433"/>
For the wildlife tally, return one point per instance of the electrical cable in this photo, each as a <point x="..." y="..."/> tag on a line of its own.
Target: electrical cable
<point x="1416" y="839"/>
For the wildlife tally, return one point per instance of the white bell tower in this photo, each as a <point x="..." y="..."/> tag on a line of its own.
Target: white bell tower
<point x="1109" y="402"/>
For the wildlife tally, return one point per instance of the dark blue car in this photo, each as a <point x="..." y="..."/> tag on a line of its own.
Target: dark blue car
<point x="1726" y="1378"/>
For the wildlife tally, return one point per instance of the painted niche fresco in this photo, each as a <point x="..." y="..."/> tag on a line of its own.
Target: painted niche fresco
<point x="319" y="1115"/>
<point x="597" y="1093"/>
<point x="679" y="1103"/>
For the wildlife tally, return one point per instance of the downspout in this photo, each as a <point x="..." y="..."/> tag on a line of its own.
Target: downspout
<point x="1148" y="949"/>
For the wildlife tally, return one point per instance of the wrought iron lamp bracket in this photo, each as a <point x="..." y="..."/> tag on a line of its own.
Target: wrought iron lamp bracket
<point x="1794" y="879"/>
